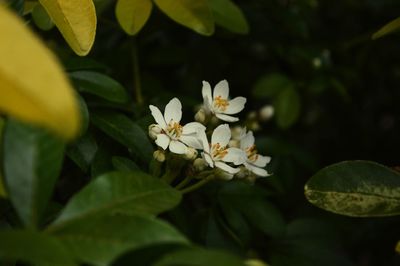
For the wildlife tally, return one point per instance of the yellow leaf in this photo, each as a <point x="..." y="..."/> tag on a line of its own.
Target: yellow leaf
<point x="132" y="15"/>
<point x="76" y="20"/>
<point x="392" y="26"/>
<point x="33" y="86"/>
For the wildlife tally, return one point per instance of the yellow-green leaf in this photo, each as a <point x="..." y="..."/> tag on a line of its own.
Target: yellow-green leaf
<point x="194" y="14"/>
<point x="392" y="26"/>
<point x="33" y="87"/>
<point x="132" y="15"/>
<point x="76" y="20"/>
<point x="398" y="247"/>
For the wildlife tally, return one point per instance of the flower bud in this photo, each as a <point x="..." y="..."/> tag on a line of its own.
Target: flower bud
<point x="154" y="130"/>
<point x="238" y="132"/>
<point x="190" y="154"/>
<point x="252" y="115"/>
<point x="266" y="113"/>
<point x="200" y="116"/>
<point x="254" y="126"/>
<point x="200" y="164"/>
<point x="243" y="173"/>
<point x="234" y="143"/>
<point x="221" y="174"/>
<point x="159" y="156"/>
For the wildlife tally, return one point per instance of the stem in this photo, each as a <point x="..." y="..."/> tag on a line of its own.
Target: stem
<point x="197" y="185"/>
<point x="136" y="73"/>
<point x="184" y="182"/>
<point x="168" y="177"/>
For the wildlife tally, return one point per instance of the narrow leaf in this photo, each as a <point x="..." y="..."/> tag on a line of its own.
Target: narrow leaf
<point x="124" y="164"/>
<point x="228" y="15"/>
<point x="194" y="14"/>
<point x="76" y="20"/>
<point x="43" y="96"/>
<point x="83" y="151"/>
<point x="132" y="15"/>
<point x="356" y="188"/>
<point x="392" y="26"/>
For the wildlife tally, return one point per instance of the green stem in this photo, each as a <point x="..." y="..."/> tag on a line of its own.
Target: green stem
<point x="136" y="73"/>
<point x="197" y="185"/>
<point x="184" y="182"/>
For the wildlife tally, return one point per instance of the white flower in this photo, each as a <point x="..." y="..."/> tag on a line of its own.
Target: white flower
<point x="173" y="135"/>
<point x="218" y="102"/>
<point x="218" y="154"/>
<point x="255" y="162"/>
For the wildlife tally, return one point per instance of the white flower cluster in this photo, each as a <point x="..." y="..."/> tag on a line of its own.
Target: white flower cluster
<point x="231" y="155"/>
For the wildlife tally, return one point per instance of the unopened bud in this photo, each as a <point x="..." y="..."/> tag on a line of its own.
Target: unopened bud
<point x="252" y="115"/>
<point x="254" y="126"/>
<point x="238" y="132"/>
<point x="200" y="116"/>
<point x="266" y="113"/>
<point x="159" y="156"/>
<point x="200" y="164"/>
<point x="190" y="154"/>
<point x="221" y="174"/>
<point x="243" y="173"/>
<point x="234" y="143"/>
<point x="154" y="130"/>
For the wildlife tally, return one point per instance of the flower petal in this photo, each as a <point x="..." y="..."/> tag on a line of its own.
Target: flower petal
<point x="221" y="89"/>
<point x="227" y="168"/>
<point x="207" y="96"/>
<point x="192" y="141"/>
<point x="235" y="106"/>
<point x="163" y="141"/>
<point x="261" y="161"/>
<point x="203" y="138"/>
<point x="256" y="170"/>
<point x="173" y="111"/>
<point x="247" y="141"/>
<point x="158" y="117"/>
<point x="177" y="147"/>
<point x="226" y="118"/>
<point x="192" y="127"/>
<point x="208" y="159"/>
<point x="221" y="135"/>
<point x="235" y="155"/>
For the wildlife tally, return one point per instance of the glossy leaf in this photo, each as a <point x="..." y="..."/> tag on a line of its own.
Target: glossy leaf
<point x="132" y="15"/>
<point x="44" y="95"/>
<point x="356" y="188"/>
<point x="271" y="85"/>
<point x="83" y="151"/>
<point x="76" y="20"/>
<point x="119" y="192"/>
<point x="391" y="27"/>
<point x="100" y="85"/>
<point x="32" y="163"/>
<point x="124" y="164"/>
<point x="33" y="247"/>
<point x="125" y="131"/>
<point x="194" y="14"/>
<point x="287" y="107"/>
<point x="41" y="18"/>
<point x="228" y="15"/>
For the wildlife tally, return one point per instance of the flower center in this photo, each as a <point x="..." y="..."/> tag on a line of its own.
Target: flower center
<point x="220" y="103"/>
<point x="218" y="152"/>
<point x="251" y="153"/>
<point x="174" y="130"/>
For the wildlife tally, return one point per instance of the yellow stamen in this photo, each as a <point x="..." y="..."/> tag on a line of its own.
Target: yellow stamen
<point x="218" y="152"/>
<point x="252" y="153"/>
<point x="174" y="129"/>
<point x="220" y="103"/>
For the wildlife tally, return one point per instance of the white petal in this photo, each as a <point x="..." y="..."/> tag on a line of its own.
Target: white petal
<point x="163" y="141"/>
<point x="235" y="106"/>
<point x="227" y="168"/>
<point x="158" y="117"/>
<point x="173" y="111"/>
<point x="235" y="155"/>
<point x="177" y="147"/>
<point x="221" y="89"/>
<point x="261" y="161"/>
<point x="208" y="159"/>
<point x="207" y="96"/>
<point x="226" y="118"/>
<point x="192" y="141"/>
<point x="192" y="127"/>
<point x="247" y="141"/>
<point x="256" y="170"/>
<point x="221" y="135"/>
<point x="204" y="141"/>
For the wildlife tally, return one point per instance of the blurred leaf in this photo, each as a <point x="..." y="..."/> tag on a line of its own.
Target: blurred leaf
<point x="392" y="26"/>
<point x="228" y="15"/>
<point x="101" y="240"/>
<point x="125" y="131"/>
<point x="132" y="15"/>
<point x="83" y="63"/>
<point x="99" y="84"/>
<point x="82" y="151"/>
<point x="3" y="191"/>
<point x="194" y="14"/>
<point x="33" y="247"/>
<point x="29" y="5"/>
<point x="124" y="164"/>
<point x="41" y="156"/>
<point x="84" y="115"/>
<point x="287" y="107"/>
<point x="356" y="188"/>
<point x="41" y="18"/>
<point x="118" y="192"/>
<point x="101" y="162"/>
<point x="17" y="5"/>
<point x="76" y="20"/>
<point x="199" y="257"/>
<point x="398" y="247"/>
<point x="44" y="95"/>
<point x="270" y="85"/>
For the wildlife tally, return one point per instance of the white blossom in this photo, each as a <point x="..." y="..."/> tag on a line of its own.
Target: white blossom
<point x="254" y="162"/>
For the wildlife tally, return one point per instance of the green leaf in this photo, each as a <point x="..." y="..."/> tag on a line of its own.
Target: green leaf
<point x="228" y="15"/>
<point x="392" y="26"/>
<point x="101" y="240"/>
<point x="124" y="164"/>
<point x="33" y="247"/>
<point x="356" y="188"/>
<point x="125" y="131"/>
<point x="199" y="257"/>
<point x="119" y="192"/>
<point x="270" y="85"/>
<point x="83" y="151"/>
<point x="194" y="14"/>
<point x="398" y="247"/>
<point x="3" y="192"/>
<point x="100" y="85"/>
<point x="41" y="18"/>
<point x="132" y="15"/>
<point x="287" y="107"/>
<point x="32" y="163"/>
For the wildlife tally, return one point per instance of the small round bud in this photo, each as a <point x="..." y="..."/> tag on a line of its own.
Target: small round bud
<point x="252" y="115"/>
<point x="154" y="130"/>
<point x="221" y="174"/>
<point x="234" y="143"/>
<point x="190" y="154"/>
<point x="243" y="173"/>
<point x="159" y="156"/>
<point x="238" y="132"/>
<point x="200" y="164"/>
<point x="254" y="126"/>
<point x="266" y="113"/>
<point x="200" y="116"/>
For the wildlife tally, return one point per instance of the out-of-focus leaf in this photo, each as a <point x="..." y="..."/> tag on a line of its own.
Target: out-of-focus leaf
<point x="17" y="5"/>
<point x="100" y="85"/>
<point x="41" y="18"/>
<point x="356" y="188"/>
<point x="118" y="192"/>
<point x="44" y="95"/>
<point x="125" y="131"/>
<point x="132" y="15"/>
<point x="398" y="247"/>
<point x="228" y="15"/>
<point x="124" y="164"/>
<point x="83" y="63"/>
<point x="3" y="192"/>
<point x="33" y="247"/>
<point x="29" y="5"/>
<point x="82" y="151"/>
<point x="100" y="240"/>
<point x="287" y="107"/>
<point x="194" y="14"/>
<point x="76" y="20"/>
<point x="32" y="162"/>
<point x="270" y="85"/>
<point x="392" y="26"/>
